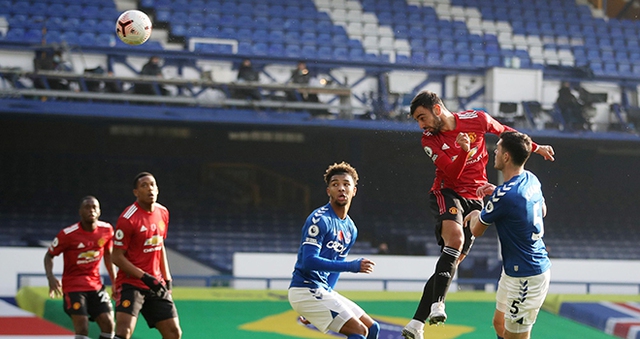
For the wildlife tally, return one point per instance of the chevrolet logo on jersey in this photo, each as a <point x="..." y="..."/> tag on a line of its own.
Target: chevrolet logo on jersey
<point x="88" y="257"/>
<point x="153" y="241"/>
<point x="88" y="254"/>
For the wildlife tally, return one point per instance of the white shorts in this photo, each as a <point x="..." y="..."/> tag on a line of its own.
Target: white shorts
<point x="520" y="299"/>
<point x="325" y="310"/>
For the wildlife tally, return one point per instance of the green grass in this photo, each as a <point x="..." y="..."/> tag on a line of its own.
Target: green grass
<point x="219" y="313"/>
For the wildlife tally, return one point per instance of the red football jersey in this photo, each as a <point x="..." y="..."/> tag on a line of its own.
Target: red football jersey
<point x="82" y="252"/>
<point x="464" y="176"/>
<point x="141" y="234"/>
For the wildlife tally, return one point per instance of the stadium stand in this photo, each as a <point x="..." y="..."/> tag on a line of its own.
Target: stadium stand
<point x="439" y="37"/>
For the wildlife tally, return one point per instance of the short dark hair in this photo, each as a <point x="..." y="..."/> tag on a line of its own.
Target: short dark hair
<point x="426" y="99"/>
<point x="88" y="197"/>
<point x="518" y="145"/>
<point x="138" y="176"/>
<point x="341" y="168"/>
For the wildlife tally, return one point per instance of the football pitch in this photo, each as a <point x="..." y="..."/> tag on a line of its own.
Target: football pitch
<point x="226" y="313"/>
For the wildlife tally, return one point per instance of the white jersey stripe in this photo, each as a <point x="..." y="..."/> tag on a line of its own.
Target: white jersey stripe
<point x="130" y="212"/>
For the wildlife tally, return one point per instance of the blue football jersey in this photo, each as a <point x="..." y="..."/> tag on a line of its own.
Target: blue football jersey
<point x="324" y="245"/>
<point x="515" y="207"/>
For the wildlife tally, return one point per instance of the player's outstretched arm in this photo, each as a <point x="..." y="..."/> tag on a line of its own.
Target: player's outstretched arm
<point x="546" y="151"/>
<point x="472" y="221"/>
<point x="366" y="266"/>
<point x="484" y="190"/>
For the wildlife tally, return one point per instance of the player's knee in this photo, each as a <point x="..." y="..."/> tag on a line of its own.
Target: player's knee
<point x="173" y="333"/>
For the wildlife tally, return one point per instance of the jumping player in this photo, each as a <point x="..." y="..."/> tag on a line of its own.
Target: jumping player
<point x="455" y="142"/>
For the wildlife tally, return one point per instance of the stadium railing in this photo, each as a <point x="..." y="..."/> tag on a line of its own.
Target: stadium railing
<point x="31" y="279"/>
<point x="190" y="89"/>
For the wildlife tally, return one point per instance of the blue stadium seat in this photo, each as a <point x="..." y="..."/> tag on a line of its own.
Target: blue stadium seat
<point x="245" y="48"/>
<point x="70" y="38"/>
<point x="621" y="56"/>
<point x="276" y="49"/>
<point x="446" y="45"/>
<point x="19" y="7"/>
<point x="276" y="11"/>
<point x="91" y="11"/>
<point x="325" y="52"/>
<point x="418" y="58"/>
<point x="308" y="51"/>
<point x="260" y="48"/>
<point x="226" y="20"/>
<point x="90" y="25"/>
<point x="15" y="34"/>
<point x="192" y="31"/>
<point x="292" y="38"/>
<point x="163" y="15"/>
<point x="87" y="39"/>
<point x="292" y="51"/>
<point x="478" y="60"/>
<point x="260" y="22"/>
<point x="292" y="24"/>
<point x="73" y="11"/>
<point x="417" y="44"/>
<point x="463" y="59"/>
<point x="276" y="24"/>
<point x="105" y="39"/>
<point x="52" y="37"/>
<point x="610" y="69"/>
<point x="448" y="59"/>
<point x="245" y="34"/>
<point x="244" y="21"/>
<point x="340" y="41"/>
<point x="356" y="54"/>
<point x="596" y="68"/>
<point x="323" y="39"/>
<point x="277" y="37"/>
<point x="340" y="53"/>
<point x="433" y="58"/>
<point x="624" y="68"/>
<point x="260" y="35"/>
<point x="308" y="38"/>
<point x="308" y="25"/>
<point x="403" y="59"/>
<point x="198" y="18"/>
<point x="495" y="61"/>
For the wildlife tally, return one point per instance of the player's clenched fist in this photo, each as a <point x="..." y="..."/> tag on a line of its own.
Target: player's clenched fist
<point x="464" y="141"/>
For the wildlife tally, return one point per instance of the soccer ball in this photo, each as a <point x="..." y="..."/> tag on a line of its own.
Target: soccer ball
<point x="133" y="27"/>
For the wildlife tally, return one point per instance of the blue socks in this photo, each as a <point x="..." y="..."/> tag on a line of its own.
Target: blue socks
<point x="374" y="330"/>
<point x="356" y="336"/>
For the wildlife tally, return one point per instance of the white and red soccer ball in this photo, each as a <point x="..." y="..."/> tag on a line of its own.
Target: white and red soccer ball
<point x="133" y="27"/>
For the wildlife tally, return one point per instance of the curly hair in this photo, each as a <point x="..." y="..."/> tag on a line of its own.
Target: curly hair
<point x="341" y="168"/>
